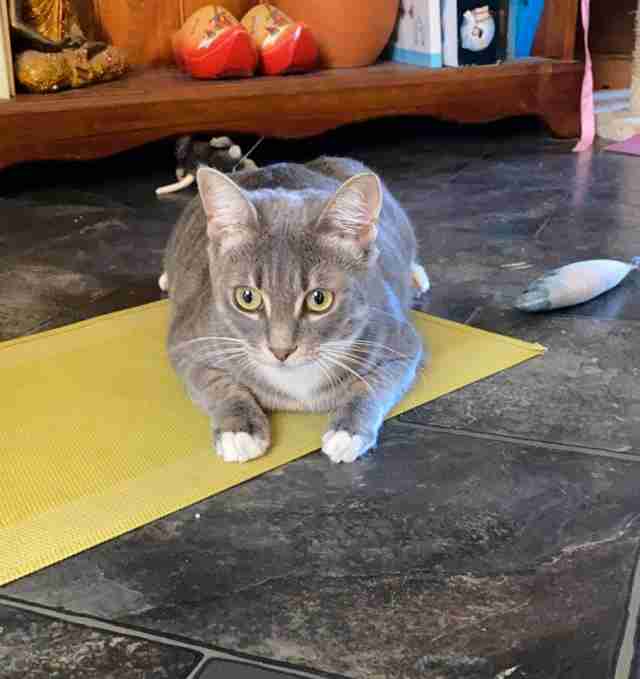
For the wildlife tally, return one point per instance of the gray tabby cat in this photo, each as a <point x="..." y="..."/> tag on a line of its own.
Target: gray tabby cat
<point x="290" y="289"/>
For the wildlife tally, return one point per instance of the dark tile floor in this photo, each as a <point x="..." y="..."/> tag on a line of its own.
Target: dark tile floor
<point x="494" y="533"/>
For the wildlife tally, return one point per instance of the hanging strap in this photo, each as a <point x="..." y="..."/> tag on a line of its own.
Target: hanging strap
<point x="587" y="116"/>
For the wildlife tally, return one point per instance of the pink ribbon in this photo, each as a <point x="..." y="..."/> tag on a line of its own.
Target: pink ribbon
<point x="587" y="116"/>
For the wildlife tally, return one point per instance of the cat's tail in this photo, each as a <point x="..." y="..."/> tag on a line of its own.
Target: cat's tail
<point x="419" y="278"/>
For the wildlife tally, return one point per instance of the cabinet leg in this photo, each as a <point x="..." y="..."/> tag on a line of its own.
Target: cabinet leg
<point x="563" y="124"/>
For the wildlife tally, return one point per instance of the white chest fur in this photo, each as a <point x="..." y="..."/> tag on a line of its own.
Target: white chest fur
<point x="297" y="383"/>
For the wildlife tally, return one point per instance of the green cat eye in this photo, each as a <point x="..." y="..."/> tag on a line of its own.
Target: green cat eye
<point x="318" y="301"/>
<point x="248" y="299"/>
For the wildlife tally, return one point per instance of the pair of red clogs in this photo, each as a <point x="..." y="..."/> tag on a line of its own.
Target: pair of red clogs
<point x="214" y="44"/>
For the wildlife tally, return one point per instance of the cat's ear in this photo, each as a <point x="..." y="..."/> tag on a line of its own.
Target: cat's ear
<point x="231" y="216"/>
<point x="350" y="218"/>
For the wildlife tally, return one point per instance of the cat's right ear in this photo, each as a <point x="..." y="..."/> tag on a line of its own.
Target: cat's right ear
<point x="231" y="216"/>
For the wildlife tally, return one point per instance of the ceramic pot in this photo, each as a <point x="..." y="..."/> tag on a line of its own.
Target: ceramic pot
<point x="348" y="32"/>
<point x="237" y="7"/>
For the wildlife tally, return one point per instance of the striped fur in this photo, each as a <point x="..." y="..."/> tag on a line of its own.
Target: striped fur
<point x="286" y="230"/>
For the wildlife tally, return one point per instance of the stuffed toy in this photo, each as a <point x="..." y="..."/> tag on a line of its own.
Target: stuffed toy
<point x="574" y="284"/>
<point x="219" y="153"/>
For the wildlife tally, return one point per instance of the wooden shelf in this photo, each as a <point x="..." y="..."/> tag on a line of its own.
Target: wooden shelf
<point x="159" y="102"/>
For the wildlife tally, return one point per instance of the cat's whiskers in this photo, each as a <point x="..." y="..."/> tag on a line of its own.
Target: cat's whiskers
<point x="250" y="363"/>
<point x="326" y="372"/>
<point x="356" y="351"/>
<point x="224" y="356"/>
<point x="380" y="373"/>
<point x="209" y="338"/>
<point x="355" y="373"/>
<point x="352" y="357"/>
<point x="364" y="346"/>
<point x="207" y="350"/>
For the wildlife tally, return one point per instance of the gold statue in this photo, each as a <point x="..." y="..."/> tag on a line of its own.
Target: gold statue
<point x="60" y="56"/>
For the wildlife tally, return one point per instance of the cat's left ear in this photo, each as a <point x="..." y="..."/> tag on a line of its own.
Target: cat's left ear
<point x="231" y="216"/>
<point x="350" y="219"/>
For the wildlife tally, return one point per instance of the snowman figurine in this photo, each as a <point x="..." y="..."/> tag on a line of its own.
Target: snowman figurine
<point x="477" y="30"/>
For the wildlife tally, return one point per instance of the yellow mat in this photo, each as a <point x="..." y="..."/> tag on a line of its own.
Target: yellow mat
<point x="97" y="436"/>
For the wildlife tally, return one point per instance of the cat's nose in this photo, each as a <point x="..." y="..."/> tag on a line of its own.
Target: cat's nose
<point x="282" y="354"/>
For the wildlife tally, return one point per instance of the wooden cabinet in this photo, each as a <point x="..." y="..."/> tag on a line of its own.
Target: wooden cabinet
<point x="611" y="42"/>
<point x="156" y="101"/>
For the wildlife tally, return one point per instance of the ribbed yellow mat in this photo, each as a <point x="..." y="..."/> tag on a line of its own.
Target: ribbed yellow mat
<point x="97" y="436"/>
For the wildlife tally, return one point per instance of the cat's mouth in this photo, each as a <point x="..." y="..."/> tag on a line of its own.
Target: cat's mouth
<point x="290" y="364"/>
<point x="285" y="360"/>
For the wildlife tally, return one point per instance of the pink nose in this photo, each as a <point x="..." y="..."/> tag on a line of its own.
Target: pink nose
<point x="282" y="354"/>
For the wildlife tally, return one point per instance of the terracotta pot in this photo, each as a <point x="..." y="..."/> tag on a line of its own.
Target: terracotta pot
<point x="349" y="32"/>
<point x="237" y="7"/>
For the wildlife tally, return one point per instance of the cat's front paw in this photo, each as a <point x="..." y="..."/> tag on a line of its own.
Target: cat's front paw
<point x="341" y="446"/>
<point x="239" y="446"/>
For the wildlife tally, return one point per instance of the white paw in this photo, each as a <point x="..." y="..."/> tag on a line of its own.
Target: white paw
<point x="341" y="446"/>
<point x="163" y="282"/>
<point x="239" y="446"/>
<point x="419" y="278"/>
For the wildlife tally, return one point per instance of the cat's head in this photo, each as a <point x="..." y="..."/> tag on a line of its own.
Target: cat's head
<point x="288" y="269"/>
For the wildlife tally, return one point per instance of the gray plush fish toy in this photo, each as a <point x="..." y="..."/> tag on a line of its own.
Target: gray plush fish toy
<point x="574" y="284"/>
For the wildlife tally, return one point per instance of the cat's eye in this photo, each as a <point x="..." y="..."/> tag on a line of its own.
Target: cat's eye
<point x="318" y="301"/>
<point x="248" y="299"/>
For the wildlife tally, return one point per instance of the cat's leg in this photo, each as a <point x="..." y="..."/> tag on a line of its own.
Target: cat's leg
<point x="354" y="427"/>
<point x="163" y="282"/>
<point x="241" y="429"/>
<point x="353" y="431"/>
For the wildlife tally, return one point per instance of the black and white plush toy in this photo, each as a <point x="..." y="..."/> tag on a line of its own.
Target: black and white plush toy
<point x="218" y="152"/>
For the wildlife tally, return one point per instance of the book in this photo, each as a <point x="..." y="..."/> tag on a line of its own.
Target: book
<point x="7" y="82"/>
<point x="474" y="31"/>
<point x="528" y="14"/>
<point x="503" y="29"/>
<point x="524" y="19"/>
<point x="450" y="32"/>
<point x="417" y="38"/>
<point x="512" y="31"/>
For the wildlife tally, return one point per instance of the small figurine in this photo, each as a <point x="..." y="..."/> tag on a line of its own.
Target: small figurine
<point x="58" y="55"/>
<point x="219" y="152"/>
<point x="46" y="25"/>
<point x="478" y="29"/>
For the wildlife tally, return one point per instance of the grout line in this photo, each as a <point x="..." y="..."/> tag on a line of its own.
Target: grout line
<point x="206" y="652"/>
<point x="543" y="226"/>
<point x="195" y="673"/>
<point x="627" y="647"/>
<point x="87" y="621"/>
<point x="534" y="443"/>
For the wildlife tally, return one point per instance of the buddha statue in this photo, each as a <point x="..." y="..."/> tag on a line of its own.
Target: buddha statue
<point x="58" y="54"/>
